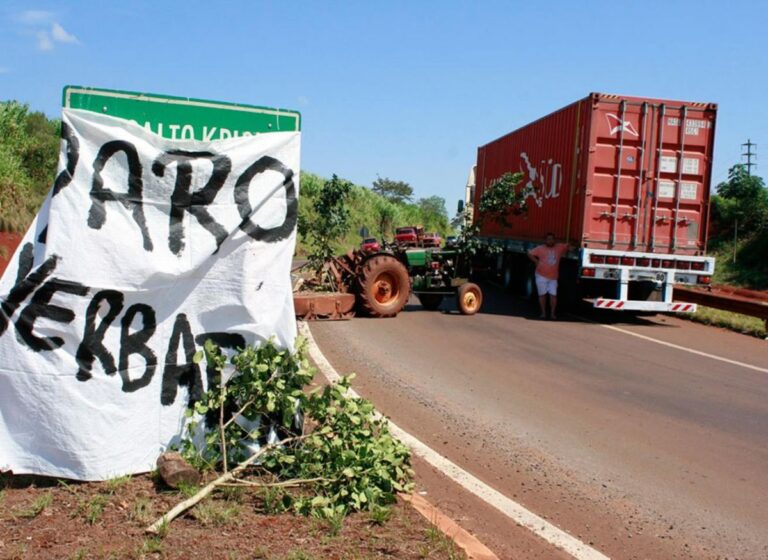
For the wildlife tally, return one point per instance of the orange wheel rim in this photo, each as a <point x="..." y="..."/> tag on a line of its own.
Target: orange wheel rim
<point x="471" y="302"/>
<point x="385" y="288"/>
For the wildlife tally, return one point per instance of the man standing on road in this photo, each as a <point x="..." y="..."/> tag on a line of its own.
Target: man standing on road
<point x="547" y="259"/>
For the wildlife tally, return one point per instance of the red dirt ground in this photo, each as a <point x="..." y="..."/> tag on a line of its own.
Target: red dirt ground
<point x="107" y="520"/>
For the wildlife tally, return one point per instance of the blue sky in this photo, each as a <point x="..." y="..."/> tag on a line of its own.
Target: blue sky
<point x="406" y="90"/>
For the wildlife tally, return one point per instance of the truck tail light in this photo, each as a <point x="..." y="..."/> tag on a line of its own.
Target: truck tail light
<point x="656" y="263"/>
<point x="612" y="260"/>
<point x="704" y="279"/>
<point x="434" y="265"/>
<point x="643" y="262"/>
<point x="683" y="265"/>
<point x="588" y="272"/>
<point x="629" y="261"/>
<point x="698" y="265"/>
<point x="667" y="264"/>
<point x="597" y="259"/>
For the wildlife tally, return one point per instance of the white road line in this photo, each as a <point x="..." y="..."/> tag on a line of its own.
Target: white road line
<point x="685" y="349"/>
<point x="516" y="512"/>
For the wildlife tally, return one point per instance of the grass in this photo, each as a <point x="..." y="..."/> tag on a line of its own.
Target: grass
<point x="728" y="320"/>
<point x="335" y="522"/>
<point x="79" y="554"/>
<point x="152" y="545"/>
<point x="163" y="529"/>
<point x="188" y="490"/>
<point x="299" y="555"/>
<point x="37" y="507"/>
<point x="233" y="494"/>
<point x="216" y="514"/>
<point x="751" y="267"/>
<point x="115" y="484"/>
<point x="142" y="511"/>
<point x="440" y="543"/>
<point x="68" y="487"/>
<point x="273" y="501"/>
<point x="380" y="515"/>
<point x="92" y="510"/>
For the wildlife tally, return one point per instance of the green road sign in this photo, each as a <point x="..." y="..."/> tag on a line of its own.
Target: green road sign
<point x="182" y="118"/>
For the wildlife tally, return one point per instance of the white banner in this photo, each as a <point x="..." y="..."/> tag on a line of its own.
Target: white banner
<point x="144" y="248"/>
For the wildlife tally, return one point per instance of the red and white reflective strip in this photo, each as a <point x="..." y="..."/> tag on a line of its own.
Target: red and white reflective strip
<point x="656" y="306"/>
<point x="609" y="303"/>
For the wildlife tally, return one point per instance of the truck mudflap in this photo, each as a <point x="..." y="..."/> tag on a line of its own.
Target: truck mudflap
<point x="656" y="306"/>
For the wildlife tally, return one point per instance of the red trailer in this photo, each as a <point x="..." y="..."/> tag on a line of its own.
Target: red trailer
<point x="625" y="181"/>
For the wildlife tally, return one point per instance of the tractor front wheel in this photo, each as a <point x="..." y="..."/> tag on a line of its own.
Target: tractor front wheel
<point x="470" y="298"/>
<point x="383" y="286"/>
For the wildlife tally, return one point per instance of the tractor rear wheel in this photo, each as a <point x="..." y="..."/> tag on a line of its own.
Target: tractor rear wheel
<point x="430" y="302"/>
<point x="383" y="286"/>
<point x="470" y="298"/>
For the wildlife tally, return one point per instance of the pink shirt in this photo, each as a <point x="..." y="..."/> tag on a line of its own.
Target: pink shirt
<point x="549" y="259"/>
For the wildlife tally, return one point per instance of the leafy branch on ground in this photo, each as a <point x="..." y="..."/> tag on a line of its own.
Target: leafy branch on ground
<point x="321" y="452"/>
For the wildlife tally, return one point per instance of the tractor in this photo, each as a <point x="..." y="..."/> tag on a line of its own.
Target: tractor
<point x="383" y="281"/>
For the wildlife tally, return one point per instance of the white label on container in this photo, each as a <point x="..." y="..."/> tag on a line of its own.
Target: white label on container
<point x="668" y="164"/>
<point x="691" y="165"/>
<point x="666" y="189"/>
<point x="688" y="191"/>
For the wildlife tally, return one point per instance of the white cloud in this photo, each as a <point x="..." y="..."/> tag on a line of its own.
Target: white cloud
<point x="34" y="17"/>
<point x="44" y="41"/>
<point x="60" y="34"/>
<point x="43" y="26"/>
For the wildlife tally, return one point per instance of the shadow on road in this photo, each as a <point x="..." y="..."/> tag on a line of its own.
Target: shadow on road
<point x="498" y="302"/>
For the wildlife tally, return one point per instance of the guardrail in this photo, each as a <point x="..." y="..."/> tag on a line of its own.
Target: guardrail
<point x="737" y="300"/>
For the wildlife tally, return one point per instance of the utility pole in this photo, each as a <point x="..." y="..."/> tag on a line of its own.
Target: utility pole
<point x="749" y="154"/>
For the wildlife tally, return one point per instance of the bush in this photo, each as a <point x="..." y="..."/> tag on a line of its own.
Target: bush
<point x="346" y="460"/>
<point x="29" y="146"/>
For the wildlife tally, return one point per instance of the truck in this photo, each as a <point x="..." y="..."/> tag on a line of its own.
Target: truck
<point x="625" y="181"/>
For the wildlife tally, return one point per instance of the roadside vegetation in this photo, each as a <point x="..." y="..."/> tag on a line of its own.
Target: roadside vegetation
<point x="372" y="212"/>
<point x="29" y="149"/>
<point x="728" y="320"/>
<point x="739" y="230"/>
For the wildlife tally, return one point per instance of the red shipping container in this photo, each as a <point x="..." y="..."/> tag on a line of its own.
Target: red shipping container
<point x="609" y="172"/>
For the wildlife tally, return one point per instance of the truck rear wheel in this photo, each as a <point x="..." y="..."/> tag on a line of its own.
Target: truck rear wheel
<point x="529" y="291"/>
<point x="430" y="302"/>
<point x="470" y="298"/>
<point x="383" y="286"/>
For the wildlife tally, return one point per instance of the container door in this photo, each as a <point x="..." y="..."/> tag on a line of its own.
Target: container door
<point x="650" y="180"/>
<point x="618" y="188"/>
<point x="675" y="211"/>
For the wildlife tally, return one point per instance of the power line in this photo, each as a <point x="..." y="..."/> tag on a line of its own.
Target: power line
<point x="749" y="155"/>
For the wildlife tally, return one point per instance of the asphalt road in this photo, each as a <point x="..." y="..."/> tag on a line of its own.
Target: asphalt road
<point x="641" y="449"/>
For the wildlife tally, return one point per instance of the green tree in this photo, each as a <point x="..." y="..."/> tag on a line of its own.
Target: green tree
<point x="328" y="221"/>
<point x="741" y="201"/>
<point x="29" y="144"/>
<point x="433" y="205"/>
<point x="385" y="216"/>
<point x="394" y="191"/>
